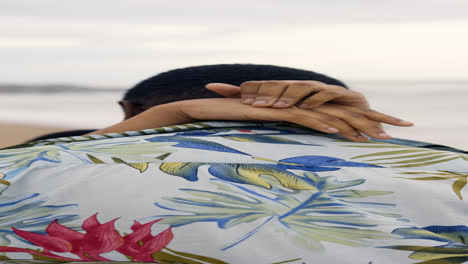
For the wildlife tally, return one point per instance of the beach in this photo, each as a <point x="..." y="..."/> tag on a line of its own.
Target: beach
<point x="17" y="133"/>
<point x="438" y="110"/>
<point x="25" y="115"/>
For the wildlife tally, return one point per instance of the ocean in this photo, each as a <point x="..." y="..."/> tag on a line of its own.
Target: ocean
<point x="70" y="109"/>
<point x="438" y="109"/>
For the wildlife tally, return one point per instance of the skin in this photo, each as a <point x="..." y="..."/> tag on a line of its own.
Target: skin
<point x="182" y="112"/>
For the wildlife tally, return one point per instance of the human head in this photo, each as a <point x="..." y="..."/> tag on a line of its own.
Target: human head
<point x="189" y="83"/>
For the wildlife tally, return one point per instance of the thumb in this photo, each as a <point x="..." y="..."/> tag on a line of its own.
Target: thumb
<point x="226" y="90"/>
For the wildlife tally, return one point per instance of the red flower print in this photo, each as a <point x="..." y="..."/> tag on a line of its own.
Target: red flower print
<point x="141" y="244"/>
<point x="98" y="239"/>
<point x="49" y="243"/>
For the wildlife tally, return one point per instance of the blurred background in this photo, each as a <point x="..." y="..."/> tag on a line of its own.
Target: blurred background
<point x="65" y="64"/>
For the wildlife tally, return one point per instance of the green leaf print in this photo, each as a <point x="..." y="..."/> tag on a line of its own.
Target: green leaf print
<point x="398" y="156"/>
<point x="331" y="213"/>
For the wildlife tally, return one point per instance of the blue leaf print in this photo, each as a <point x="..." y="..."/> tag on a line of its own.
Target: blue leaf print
<point x="195" y="143"/>
<point x="451" y="234"/>
<point x="319" y="163"/>
<point x="454" y="252"/>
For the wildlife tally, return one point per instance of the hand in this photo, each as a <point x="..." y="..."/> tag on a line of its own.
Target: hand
<point x="346" y="111"/>
<point x="348" y="121"/>
<point x="283" y="94"/>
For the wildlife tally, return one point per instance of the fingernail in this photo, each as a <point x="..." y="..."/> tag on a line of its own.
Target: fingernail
<point x="383" y="134"/>
<point x="280" y="103"/>
<point x="248" y="100"/>
<point x="259" y="102"/>
<point x="403" y="122"/>
<point x="332" y="130"/>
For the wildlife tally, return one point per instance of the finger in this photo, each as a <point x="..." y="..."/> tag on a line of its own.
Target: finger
<point x="356" y="120"/>
<point x="344" y="128"/>
<point x="248" y="91"/>
<point x="269" y="92"/>
<point x="388" y="119"/>
<point x="294" y="93"/>
<point x="321" y="98"/>
<point x="379" y="117"/>
<point x="224" y="89"/>
<point x="323" y="122"/>
<point x="309" y="119"/>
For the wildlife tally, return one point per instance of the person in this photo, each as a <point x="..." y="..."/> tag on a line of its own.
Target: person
<point x="210" y="192"/>
<point x="347" y="112"/>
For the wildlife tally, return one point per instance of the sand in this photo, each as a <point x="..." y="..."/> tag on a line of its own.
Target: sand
<point x="17" y="133"/>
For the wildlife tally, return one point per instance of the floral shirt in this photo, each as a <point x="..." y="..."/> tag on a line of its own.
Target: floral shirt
<point x="229" y="192"/>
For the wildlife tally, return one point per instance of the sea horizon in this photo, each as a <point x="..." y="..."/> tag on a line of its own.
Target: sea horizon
<point x="57" y="87"/>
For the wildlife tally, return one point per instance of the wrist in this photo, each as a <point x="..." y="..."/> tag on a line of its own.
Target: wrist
<point x="170" y="114"/>
<point x="180" y="111"/>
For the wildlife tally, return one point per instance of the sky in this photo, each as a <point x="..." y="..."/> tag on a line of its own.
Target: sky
<point x="118" y="43"/>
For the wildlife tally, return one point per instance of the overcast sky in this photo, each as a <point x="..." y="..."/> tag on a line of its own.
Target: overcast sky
<point x="118" y="43"/>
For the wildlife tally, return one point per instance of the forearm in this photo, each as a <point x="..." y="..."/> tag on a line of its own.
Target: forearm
<point x="157" y="116"/>
<point x="182" y="112"/>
